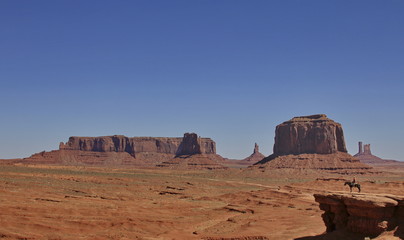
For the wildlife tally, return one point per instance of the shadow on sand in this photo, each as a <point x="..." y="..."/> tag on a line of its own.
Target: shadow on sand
<point x="336" y="235"/>
<point x="400" y="231"/>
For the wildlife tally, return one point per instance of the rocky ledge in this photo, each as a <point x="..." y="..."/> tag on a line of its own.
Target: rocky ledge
<point x="369" y="214"/>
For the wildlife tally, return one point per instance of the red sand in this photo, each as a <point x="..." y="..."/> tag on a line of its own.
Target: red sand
<point x="43" y="202"/>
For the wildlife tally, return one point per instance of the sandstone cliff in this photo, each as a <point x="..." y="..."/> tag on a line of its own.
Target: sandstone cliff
<point x="311" y="142"/>
<point x="369" y="214"/>
<point x="193" y="153"/>
<point x="192" y="144"/>
<point x="135" y="145"/>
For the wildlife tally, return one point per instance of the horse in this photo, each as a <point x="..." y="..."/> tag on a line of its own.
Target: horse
<point x="352" y="185"/>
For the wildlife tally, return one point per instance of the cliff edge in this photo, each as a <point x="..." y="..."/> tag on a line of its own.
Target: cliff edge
<point x="369" y="214"/>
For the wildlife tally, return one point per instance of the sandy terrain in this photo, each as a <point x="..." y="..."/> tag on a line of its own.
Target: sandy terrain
<point x="44" y="202"/>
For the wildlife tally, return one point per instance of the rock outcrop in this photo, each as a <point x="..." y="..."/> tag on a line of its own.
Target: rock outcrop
<point x="312" y="142"/>
<point x="309" y="134"/>
<point x="255" y="157"/>
<point x="122" y="150"/>
<point x="369" y="214"/>
<point x="192" y="144"/>
<point x="194" y="154"/>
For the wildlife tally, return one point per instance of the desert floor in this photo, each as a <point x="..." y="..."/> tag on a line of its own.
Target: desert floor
<point x="50" y="202"/>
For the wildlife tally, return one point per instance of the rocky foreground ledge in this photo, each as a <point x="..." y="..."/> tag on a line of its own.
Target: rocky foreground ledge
<point x="370" y="214"/>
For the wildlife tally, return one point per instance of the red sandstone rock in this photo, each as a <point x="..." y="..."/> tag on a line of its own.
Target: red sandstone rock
<point x="339" y="163"/>
<point x="362" y="213"/>
<point x="75" y="157"/>
<point x="116" y="143"/>
<point x="365" y="156"/>
<point x="309" y="134"/>
<point x="190" y="145"/>
<point x="255" y="157"/>
<point x="121" y="150"/>
<point x="134" y="145"/>
<point x="160" y="145"/>
<point x="311" y="142"/>
<point x="194" y="154"/>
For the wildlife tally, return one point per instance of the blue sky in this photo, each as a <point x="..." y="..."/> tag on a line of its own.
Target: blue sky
<point x="228" y="70"/>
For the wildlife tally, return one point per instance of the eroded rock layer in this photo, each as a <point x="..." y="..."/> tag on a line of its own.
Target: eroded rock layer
<point x="77" y="158"/>
<point x="369" y="214"/>
<point x="338" y="163"/>
<point x="194" y="162"/>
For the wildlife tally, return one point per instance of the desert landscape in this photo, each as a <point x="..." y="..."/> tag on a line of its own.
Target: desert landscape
<point x="163" y="188"/>
<point x="211" y="120"/>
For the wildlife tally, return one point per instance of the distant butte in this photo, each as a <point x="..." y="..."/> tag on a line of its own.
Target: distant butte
<point x="192" y="154"/>
<point x="255" y="157"/>
<point x="119" y="150"/>
<point x="312" y="142"/>
<point x="314" y="134"/>
<point x="365" y="156"/>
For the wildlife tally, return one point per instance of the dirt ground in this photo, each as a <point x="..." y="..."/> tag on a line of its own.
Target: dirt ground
<point x="50" y="202"/>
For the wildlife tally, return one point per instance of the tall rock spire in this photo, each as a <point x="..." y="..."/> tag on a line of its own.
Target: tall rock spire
<point x="360" y="148"/>
<point x="253" y="158"/>
<point x="256" y="148"/>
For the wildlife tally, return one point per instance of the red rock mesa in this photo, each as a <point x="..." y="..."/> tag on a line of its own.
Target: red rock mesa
<point x="122" y="150"/>
<point x="311" y="142"/>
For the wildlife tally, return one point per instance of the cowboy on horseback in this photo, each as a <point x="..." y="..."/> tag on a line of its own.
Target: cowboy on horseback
<point x="353" y="184"/>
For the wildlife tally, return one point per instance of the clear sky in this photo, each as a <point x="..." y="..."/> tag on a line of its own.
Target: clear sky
<point x="229" y="70"/>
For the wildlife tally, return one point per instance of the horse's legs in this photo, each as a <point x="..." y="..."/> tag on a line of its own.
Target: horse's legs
<point x="350" y="188"/>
